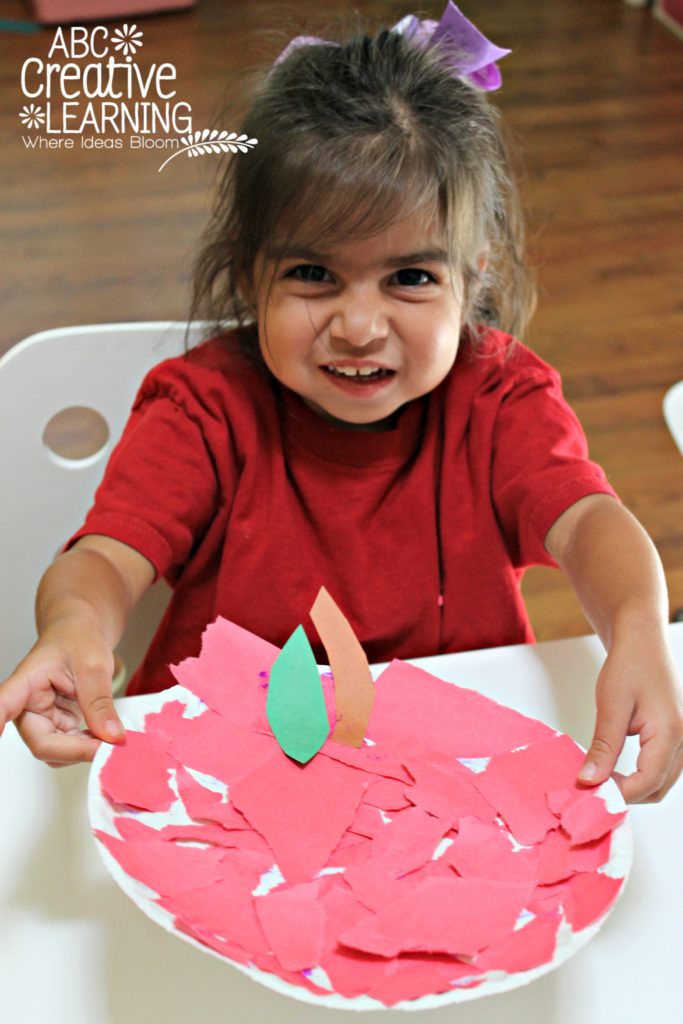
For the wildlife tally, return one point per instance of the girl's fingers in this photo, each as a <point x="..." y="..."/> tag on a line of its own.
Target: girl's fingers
<point x="14" y="695"/>
<point x="56" y="748"/>
<point x="96" y="703"/>
<point x="35" y="685"/>
<point x="611" y="726"/>
<point x="659" y="765"/>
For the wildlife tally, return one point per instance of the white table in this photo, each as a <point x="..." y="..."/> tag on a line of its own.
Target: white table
<point x="75" y="950"/>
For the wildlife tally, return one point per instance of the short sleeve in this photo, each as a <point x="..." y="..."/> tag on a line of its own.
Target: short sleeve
<point x="159" y="492"/>
<point x="540" y="464"/>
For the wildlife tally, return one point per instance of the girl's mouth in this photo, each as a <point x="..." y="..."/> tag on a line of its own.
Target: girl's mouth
<point x="355" y="380"/>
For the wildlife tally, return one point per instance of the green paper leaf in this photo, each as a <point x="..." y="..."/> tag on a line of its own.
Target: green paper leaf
<point x="295" y="705"/>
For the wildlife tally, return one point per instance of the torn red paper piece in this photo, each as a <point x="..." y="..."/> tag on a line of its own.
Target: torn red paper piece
<point x="546" y="899"/>
<point x="231" y="673"/>
<point x="137" y="773"/>
<point x="293" y="922"/>
<point x="481" y="850"/>
<point x="351" y="973"/>
<point x="225" y="908"/>
<point x="133" y="829"/>
<point x="209" y="833"/>
<point x="459" y="916"/>
<point x="376" y="759"/>
<point x="299" y="978"/>
<point x="167" y="868"/>
<point x="589" y="896"/>
<point x="226" y="949"/>
<point x="285" y="801"/>
<point x="266" y="961"/>
<point x="554" y="862"/>
<point x="447" y="791"/>
<point x="591" y="856"/>
<point x="436" y="868"/>
<point x="415" y="971"/>
<point x="407" y="980"/>
<point x="206" y="804"/>
<point x="408" y="841"/>
<point x="387" y="794"/>
<point x="455" y="719"/>
<point x="166" y="721"/>
<point x="373" y="886"/>
<point x="528" y="947"/>
<point x="583" y="814"/>
<point x="516" y="784"/>
<point x="247" y="840"/>
<point x="219" y="748"/>
<point x="367" y="821"/>
<point x="560" y="860"/>
<point x="352" y="849"/>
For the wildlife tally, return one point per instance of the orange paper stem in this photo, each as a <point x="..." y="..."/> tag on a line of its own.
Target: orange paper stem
<point x="354" y="690"/>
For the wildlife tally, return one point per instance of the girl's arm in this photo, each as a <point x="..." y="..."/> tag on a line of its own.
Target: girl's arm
<point x="82" y="606"/>
<point x="618" y="577"/>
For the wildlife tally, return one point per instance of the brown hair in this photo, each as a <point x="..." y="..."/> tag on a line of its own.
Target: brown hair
<point x="351" y="138"/>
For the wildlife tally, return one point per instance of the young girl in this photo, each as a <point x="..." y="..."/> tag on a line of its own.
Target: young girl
<point x="370" y="425"/>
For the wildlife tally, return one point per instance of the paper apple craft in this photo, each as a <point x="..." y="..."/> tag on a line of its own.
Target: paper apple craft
<point x="440" y="853"/>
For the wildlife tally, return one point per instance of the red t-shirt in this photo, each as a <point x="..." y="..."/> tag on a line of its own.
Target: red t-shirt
<point x="247" y="502"/>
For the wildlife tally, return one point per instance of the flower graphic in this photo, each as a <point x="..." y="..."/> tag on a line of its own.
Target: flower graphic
<point x="127" y="39"/>
<point x="32" y="116"/>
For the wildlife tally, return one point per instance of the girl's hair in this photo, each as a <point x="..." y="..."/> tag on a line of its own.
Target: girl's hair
<point x="352" y="138"/>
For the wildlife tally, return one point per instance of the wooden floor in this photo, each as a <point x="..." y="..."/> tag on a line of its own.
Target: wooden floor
<point x="594" y="95"/>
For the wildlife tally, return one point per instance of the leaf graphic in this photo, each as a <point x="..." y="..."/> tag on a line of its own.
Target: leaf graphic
<point x="200" y="143"/>
<point x="295" y="705"/>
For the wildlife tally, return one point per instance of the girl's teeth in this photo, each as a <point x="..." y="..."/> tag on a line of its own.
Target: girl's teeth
<point x="353" y="371"/>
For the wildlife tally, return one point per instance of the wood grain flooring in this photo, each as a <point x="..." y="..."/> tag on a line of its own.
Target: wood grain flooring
<point x="593" y="94"/>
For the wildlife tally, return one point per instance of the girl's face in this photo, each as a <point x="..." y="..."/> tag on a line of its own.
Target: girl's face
<point x="363" y="328"/>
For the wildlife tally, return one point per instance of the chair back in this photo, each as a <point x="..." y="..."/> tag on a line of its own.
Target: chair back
<point x="45" y="495"/>
<point x="673" y="413"/>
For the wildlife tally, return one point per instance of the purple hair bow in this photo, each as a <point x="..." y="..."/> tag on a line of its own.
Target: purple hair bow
<point x="468" y="53"/>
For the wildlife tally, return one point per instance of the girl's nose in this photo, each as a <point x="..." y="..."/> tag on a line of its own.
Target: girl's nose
<point x="359" y="321"/>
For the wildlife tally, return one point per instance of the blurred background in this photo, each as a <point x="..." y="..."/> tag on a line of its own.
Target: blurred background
<point x="593" y="96"/>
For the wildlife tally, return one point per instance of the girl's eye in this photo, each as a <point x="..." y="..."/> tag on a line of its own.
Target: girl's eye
<point x="410" y="277"/>
<point x="311" y="273"/>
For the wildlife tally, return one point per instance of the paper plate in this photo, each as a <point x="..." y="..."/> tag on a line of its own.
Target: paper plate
<point x="573" y="874"/>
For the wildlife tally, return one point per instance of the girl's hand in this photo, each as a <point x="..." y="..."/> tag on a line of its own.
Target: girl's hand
<point x="619" y="580"/>
<point x="638" y="693"/>
<point x="65" y="678"/>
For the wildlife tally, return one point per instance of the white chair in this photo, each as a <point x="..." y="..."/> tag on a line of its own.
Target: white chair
<point x="44" y="495"/>
<point x="673" y="413"/>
